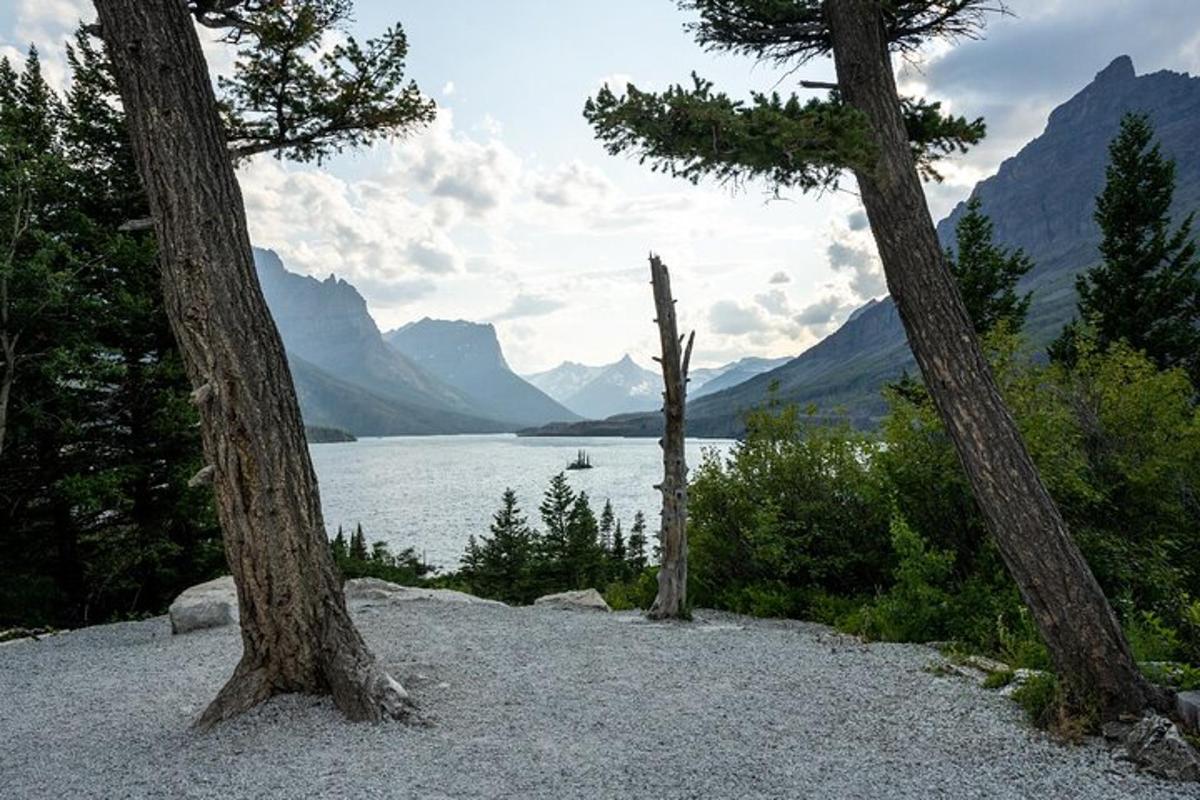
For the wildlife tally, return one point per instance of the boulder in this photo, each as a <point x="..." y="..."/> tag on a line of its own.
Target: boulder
<point x="1157" y="746"/>
<point x="1187" y="709"/>
<point x="579" y="600"/>
<point x="206" y="605"/>
<point x="376" y="590"/>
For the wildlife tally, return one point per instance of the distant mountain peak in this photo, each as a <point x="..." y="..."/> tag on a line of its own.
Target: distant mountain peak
<point x="1121" y="69"/>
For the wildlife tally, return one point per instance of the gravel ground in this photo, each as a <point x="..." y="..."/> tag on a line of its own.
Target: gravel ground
<point x="537" y="703"/>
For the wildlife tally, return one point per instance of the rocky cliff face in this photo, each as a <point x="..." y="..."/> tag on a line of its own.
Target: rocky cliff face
<point x="467" y="356"/>
<point x="342" y="366"/>
<point x="1042" y="199"/>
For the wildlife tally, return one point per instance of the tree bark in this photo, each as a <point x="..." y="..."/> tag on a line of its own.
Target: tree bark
<point x="296" y="633"/>
<point x="1079" y="627"/>
<point x="671" y="601"/>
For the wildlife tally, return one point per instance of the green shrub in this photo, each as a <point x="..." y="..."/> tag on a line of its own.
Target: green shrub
<point x="637" y="592"/>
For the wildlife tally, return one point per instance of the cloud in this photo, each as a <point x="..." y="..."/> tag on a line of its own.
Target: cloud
<point x="733" y="319"/>
<point x="528" y="305"/>
<point x="448" y="88"/>
<point x="824" y="312"/>
<point x="47" y="25"/>
<point x="774" y="302"/>
<point x="479" y="176"/>
<point x="572" y="184"/>
<point x="779" y="277"/>
<point x="866" y="276"/>
<point x="857" y="221"/>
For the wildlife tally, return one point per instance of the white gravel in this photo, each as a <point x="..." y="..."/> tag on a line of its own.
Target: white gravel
<point x="537" y="703"/>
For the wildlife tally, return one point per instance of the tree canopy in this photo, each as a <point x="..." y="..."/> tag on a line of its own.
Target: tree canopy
<point x="694" y="132"/>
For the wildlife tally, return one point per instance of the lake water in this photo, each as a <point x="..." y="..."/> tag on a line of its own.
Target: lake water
<point x="432" y="492"/>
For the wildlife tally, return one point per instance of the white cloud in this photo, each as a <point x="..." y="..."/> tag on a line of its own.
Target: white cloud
<point x="779" y="277"/>
<point x="528" y="305"/>
<point x="448" y="88"/>
<point x="734" y="319"/>
<point x="572" y="184"/>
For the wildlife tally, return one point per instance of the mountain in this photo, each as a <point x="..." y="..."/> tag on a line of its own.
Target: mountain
<point x="712" y="380"/>
<point x="1041" y="200"/>
<point x="346" y="376"/>
<point x="564" y="380"/>
<point x="599" y="392"/>
<point x="467" y="356"/>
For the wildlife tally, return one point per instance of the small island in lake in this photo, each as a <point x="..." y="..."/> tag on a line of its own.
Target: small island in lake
<point x="582" y="461"/>
<point x="322" y="434"/>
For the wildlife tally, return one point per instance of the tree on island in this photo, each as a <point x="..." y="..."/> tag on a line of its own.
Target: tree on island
<point x="1146" y="289"/>
<point x="292" y="97"/>
<point x="889" y="143"/>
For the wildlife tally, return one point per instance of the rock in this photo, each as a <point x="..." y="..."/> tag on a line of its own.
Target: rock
<point x="1157" y="746"/>
<point x="1020" y="677"/>
<point x="580" y="600"/>
<point x="1187" y="708"/>
<point x="376" y="590"/>
<point x="206" y="605"/>
<point x="988" y="665"/>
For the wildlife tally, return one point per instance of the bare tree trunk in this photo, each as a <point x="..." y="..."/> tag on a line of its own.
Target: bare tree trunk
<point x="671" y="601"/>
<point x="6" y="383"/>
<point x="296" y="633"/>
<point x="1082" y="632"/>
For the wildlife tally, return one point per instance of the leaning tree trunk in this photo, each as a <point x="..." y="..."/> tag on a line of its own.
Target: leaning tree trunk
<point x="296" y="633"/>
<point x="1079" y="627"/>
<point x="671" y="601"/>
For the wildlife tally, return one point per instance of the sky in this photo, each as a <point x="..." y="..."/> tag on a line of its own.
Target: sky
<point x="506" y="210"/>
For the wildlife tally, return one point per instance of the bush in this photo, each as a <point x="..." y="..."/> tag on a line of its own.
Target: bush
<point x="791" y="512"/>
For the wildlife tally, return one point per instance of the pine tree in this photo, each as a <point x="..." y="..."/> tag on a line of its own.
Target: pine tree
<point x="1146" y="289"/>
<point x="584" y="557"/>
<point x="987" y="274"/>
<point x="637" y="542"/>
<point x="101" y="440"/>
<point x="556" y="514"/>
<point x="618" y="551"/>
<point x="607" y="518"/>
<point x="339" y="547"/>
<point x="505" y="559"/>
<point x="470" y="561"/>
<point x="358" y="544"/>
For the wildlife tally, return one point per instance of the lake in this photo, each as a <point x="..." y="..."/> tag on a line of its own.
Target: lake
<point x="432" y="492"/>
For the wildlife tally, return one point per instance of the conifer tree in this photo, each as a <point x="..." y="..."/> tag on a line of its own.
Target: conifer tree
<point x="987" y="274"/>
<point x="607" y="519"/>
<point x="338" y="546"/>
<point x="470" y="561"/>
<point x="637" y="542"/>
<point x="618" y="552"/>
<point x="1146" y="289"/>
<point x="584" y="557"/>
<point x="99" y="438"/>
<point x="505" y="560"/>
<point x="556" y="513"/>
<point x="358" y="544"/>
